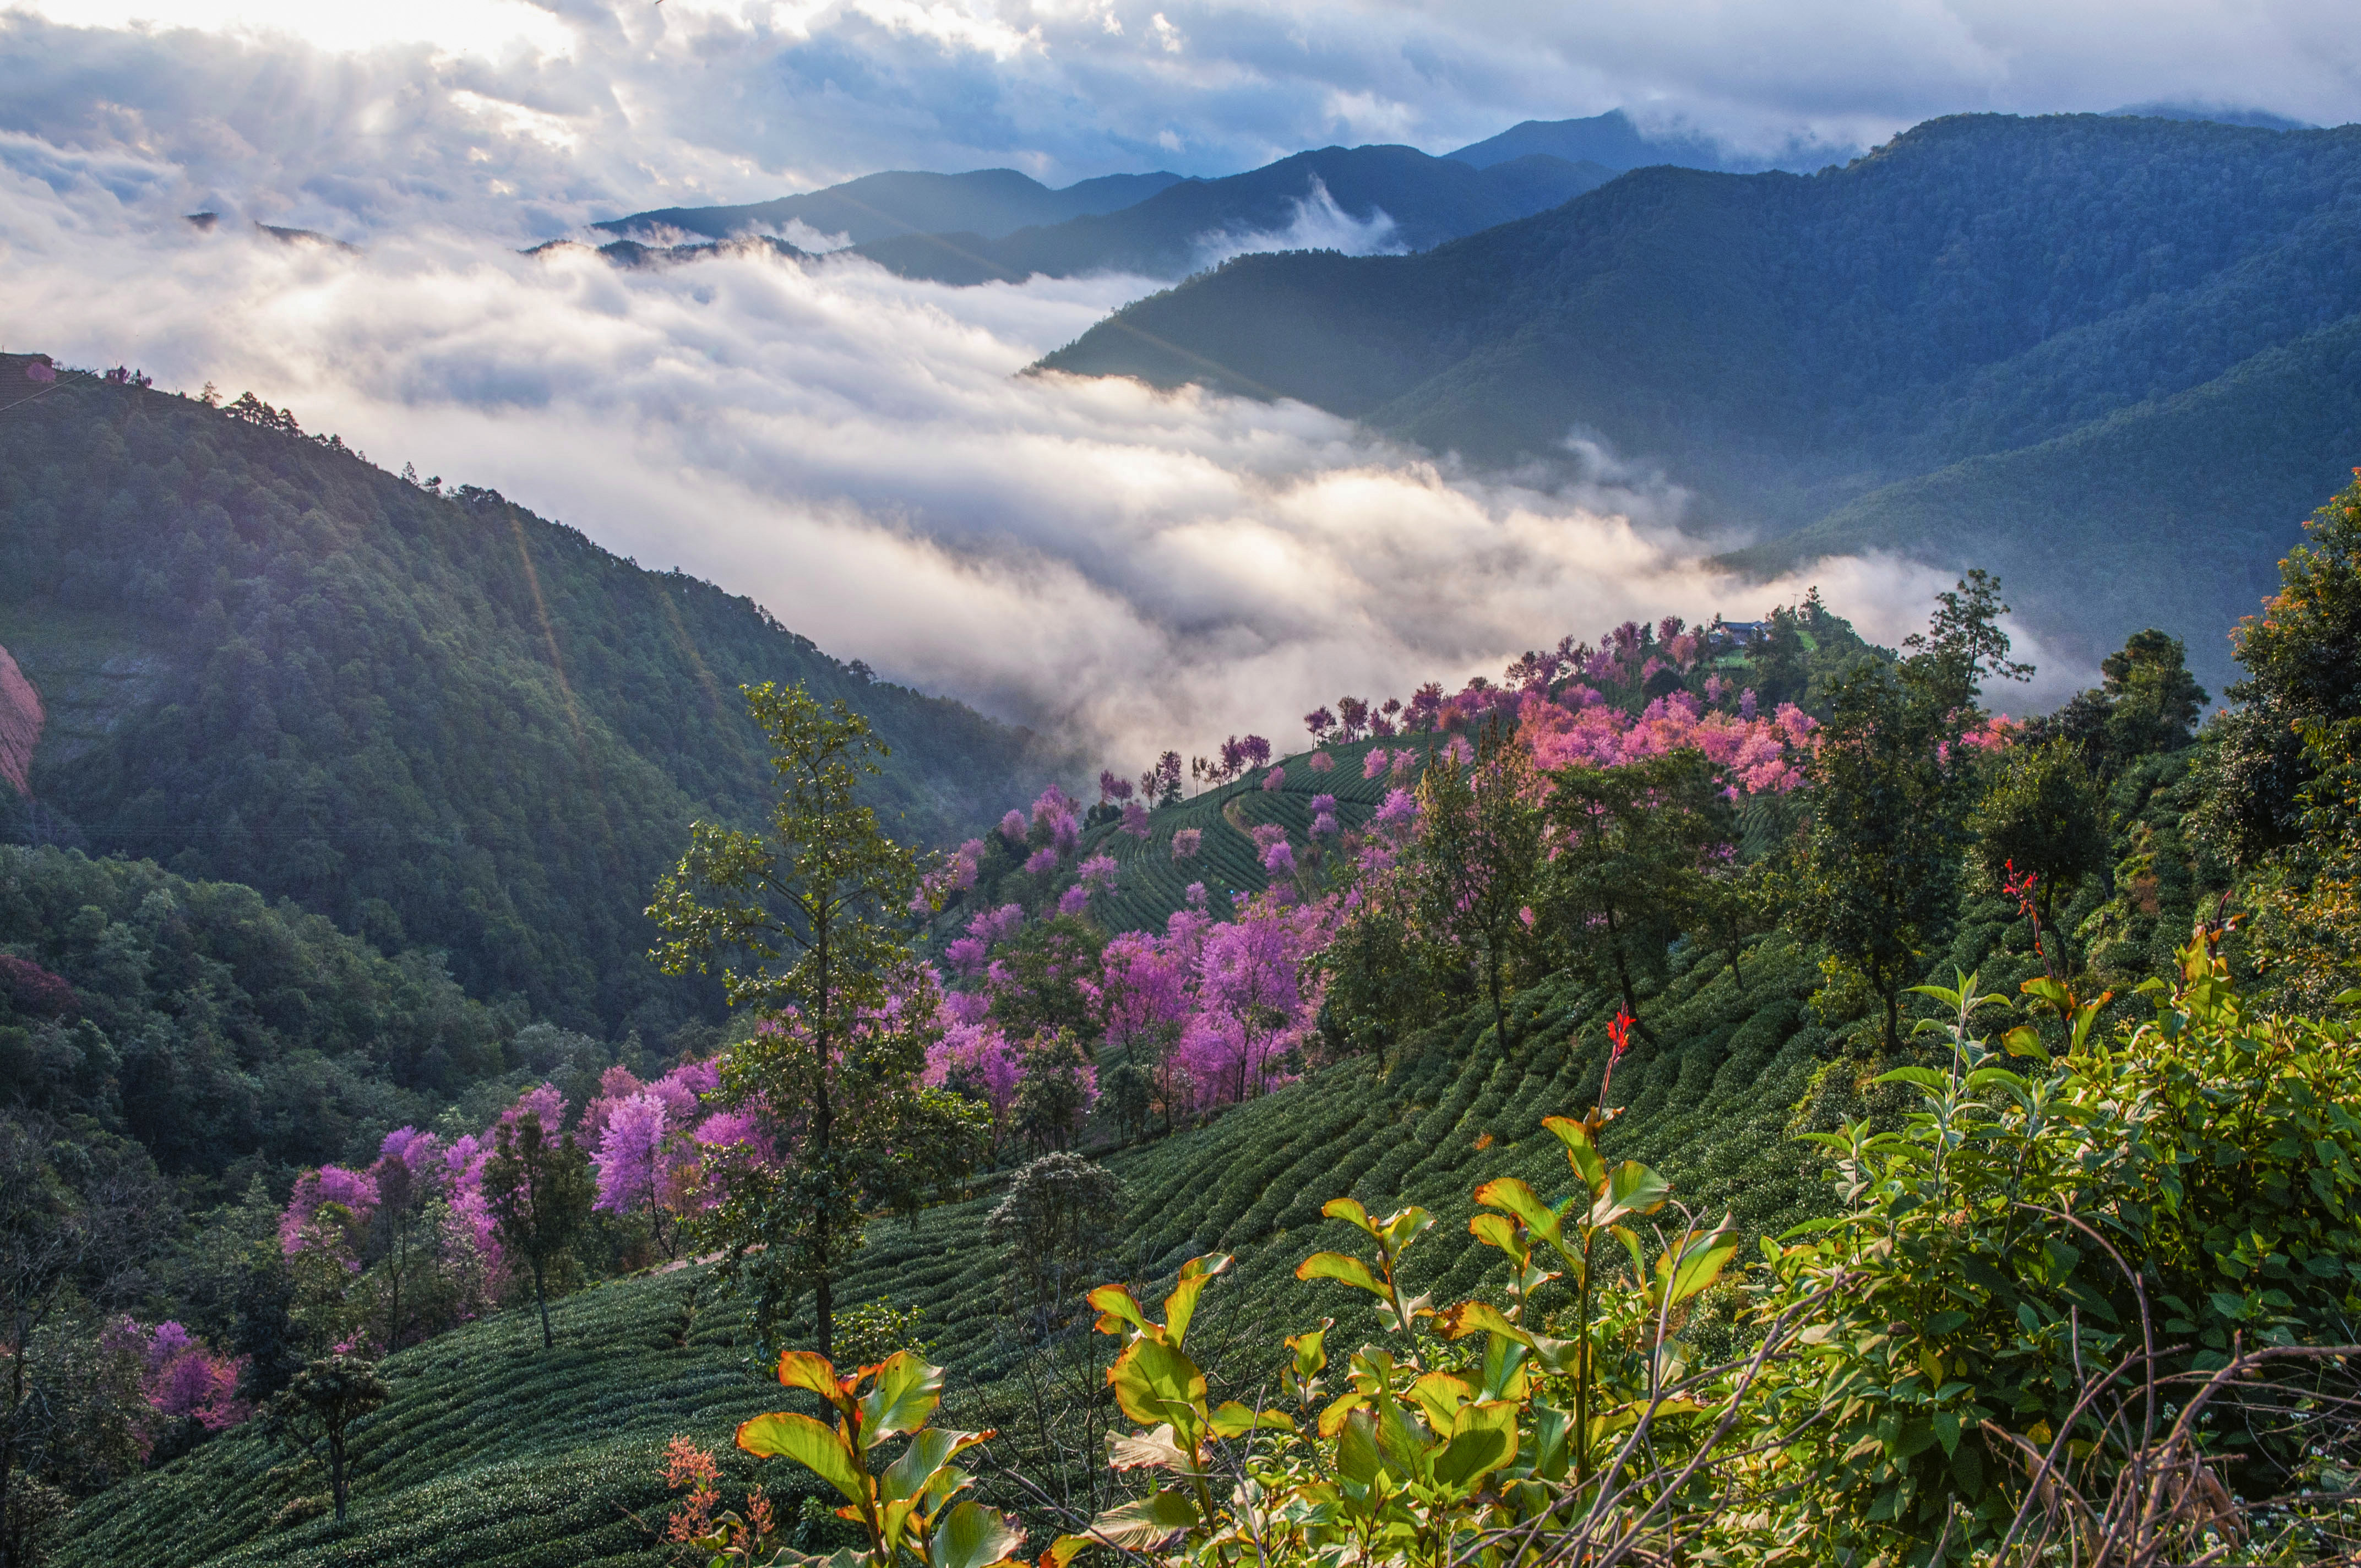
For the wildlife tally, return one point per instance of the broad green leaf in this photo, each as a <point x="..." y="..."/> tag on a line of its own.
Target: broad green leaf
<point x="903" y="1394"/>
<point x="1483" y="1439"/>
<point x="1404" y="1227"/>
<point x="1404" y="1442"/>
<point x="1155" y="1383"/>
<point x="1117" y="1311"/>
<point x="1580" y="1152"/>
<point x="1552" y="1446"/>
<point x="1147" y="1523"/>
<point x="1311" y="1349"/>
<point x="2025" y="1041"/>
<point x="1356" y="1445"/>
<point x="928" y="1451"/>
<point x="1696" y="1263"/>
<point x="802" y="1369"/>
<point x="1333" y="1419"/>
<point x="2044" y="988"/>
<point x="1504" y="1368"/>
<point x="1478" y="1317"/>
<point x="1181" y="1305"/>
<point x="1508" y="1193"/>
<point x="1440" y="1395"/>
<point x="1923" y="1077"/>
<point x="1632" y="1188"/>
<point x="1339" y="1265"/>
<point x="1063" y="1550"/>
<point x="972" y="1536"/>
<point x="1230" y="1418"/>
<point x="1499" y="1231"/>
<point x="783" y="1434"/>
<point x="1349" y="1210"/>
<point x="914" y="1469"/>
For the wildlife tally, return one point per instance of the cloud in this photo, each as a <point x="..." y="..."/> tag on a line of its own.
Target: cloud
<point x="855" y="451"/>
<point x="1129" y="568"/>
<point x="1317" y="223"/>
<point x="521" y="121"/>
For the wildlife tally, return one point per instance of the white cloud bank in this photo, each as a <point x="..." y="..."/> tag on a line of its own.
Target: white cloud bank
<point x="523" y="117"/>
<point x="854" y="450"/>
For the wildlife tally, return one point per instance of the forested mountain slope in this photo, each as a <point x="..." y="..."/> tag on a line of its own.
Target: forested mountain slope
<point x="1176" y="231"/>
<point x="436" y="718"/>
<point x="1788" y="347"/>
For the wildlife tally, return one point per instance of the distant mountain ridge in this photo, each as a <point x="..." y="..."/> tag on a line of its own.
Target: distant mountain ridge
<point x="1409" y="200"/>
<point x="989" y="201"/>
<point x="1613" y="141"/>
<point x="2113" y="358"/>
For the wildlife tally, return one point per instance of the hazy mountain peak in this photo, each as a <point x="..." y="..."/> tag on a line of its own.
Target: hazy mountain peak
<point x="2219" y="113"/>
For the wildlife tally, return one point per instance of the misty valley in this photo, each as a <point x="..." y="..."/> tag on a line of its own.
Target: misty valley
<point x="1626" y="846"/>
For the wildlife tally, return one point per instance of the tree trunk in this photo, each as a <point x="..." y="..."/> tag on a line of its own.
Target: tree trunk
<point x="541" y="1299"/>
<point x="1893" y="1020"/>
<point x="1623" y="976"/>
<point x="337" y="1486"/>
<point x="1499" y="1012"/>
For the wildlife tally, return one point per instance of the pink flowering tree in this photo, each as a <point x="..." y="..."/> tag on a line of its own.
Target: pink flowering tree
<point x="1254" y="1006"/>
<point x="184" y="1379"/>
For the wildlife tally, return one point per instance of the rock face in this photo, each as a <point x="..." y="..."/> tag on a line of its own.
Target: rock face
<point x="20" y="725"/>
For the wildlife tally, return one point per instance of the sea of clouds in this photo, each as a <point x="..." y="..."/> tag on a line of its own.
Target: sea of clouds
<point x="863" y="455"/>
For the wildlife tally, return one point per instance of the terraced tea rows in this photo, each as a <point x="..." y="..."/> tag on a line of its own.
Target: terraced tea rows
<point x="496" y="1455"/>
<point x="1152" y="884"/>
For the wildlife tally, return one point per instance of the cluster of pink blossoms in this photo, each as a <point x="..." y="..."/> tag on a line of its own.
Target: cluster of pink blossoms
<point x="181" y="1377"/>
<point x="1759" y="756"/>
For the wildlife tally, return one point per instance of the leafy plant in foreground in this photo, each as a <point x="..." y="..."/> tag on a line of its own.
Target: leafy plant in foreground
<point x="911" y="1504"/>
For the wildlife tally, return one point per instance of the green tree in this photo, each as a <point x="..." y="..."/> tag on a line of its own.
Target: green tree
<point x="1046" y="966"/>
<point x="76" y="1222"/>
<point x="1382" y="980"/>
<point x="1052" y="1094"/>
<point x="801" y="922"/>
<point x="1892" y="787"/>
<point x="1476" y="870"/>
<point x="2302" y="657"/>
<point x="2041" y="814"/>
<point x="1630" y="846"/>
<point x="315" y="1412"/>
<point x="540" y="1195"/>
<point x="2153" y="700"/>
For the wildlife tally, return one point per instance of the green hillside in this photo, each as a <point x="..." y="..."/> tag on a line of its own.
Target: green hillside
<point x="436" y="718"/>
<point x="1791" y="349"/>
<point x="497" y="1456"/>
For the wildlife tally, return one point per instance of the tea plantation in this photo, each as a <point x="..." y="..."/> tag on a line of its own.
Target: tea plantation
<point x="496" y="1455"/>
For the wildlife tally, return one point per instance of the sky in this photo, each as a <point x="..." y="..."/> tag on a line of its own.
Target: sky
<point x="861" y="453"/>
